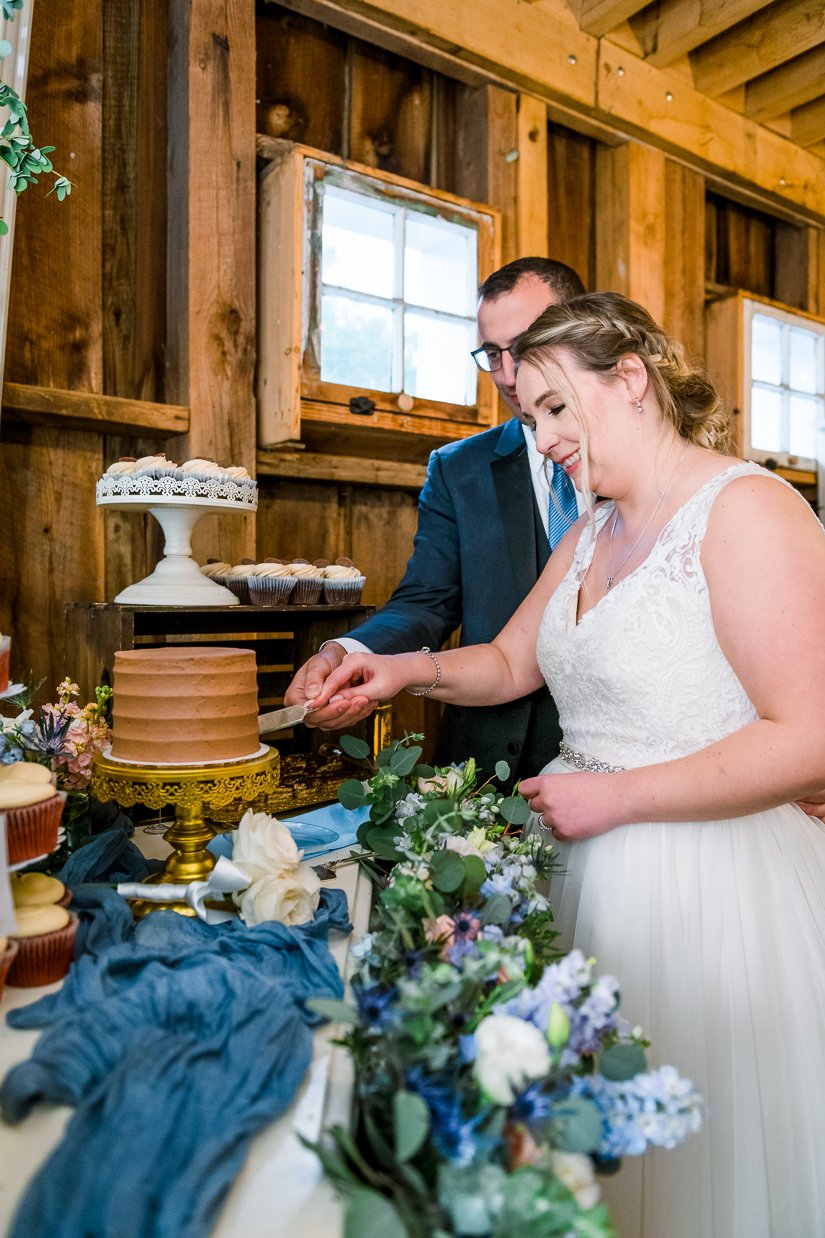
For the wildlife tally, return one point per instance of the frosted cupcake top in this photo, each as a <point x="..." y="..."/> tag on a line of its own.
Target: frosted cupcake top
<point x="198" y="478"/>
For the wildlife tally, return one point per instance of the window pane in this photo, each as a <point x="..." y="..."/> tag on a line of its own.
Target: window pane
<point x="805" y="416"/>
<point x="766" y="350"/>
<point x="357" y="243"/>
<point x="356" y="342"/>
<point x="805" y="346"/>
<point x="437" y="364"/>
<point x="440" y="264"/>
<point x="766" y="420"/>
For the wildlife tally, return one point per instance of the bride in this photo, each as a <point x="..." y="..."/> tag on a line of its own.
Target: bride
<point x="679" y="626"/>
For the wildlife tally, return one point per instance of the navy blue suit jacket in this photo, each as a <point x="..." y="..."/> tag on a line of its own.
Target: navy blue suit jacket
<point x="476" y="556"/>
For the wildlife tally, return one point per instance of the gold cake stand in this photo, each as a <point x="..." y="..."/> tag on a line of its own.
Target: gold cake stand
<point x="197" y="793"/>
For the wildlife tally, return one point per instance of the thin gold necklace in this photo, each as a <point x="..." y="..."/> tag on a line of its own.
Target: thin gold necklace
<point x="611" y="576"/>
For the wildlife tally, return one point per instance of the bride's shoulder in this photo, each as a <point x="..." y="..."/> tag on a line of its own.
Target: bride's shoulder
<point x="750" y="500"/>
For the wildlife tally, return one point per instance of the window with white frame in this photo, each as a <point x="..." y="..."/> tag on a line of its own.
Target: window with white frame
<point x="784" y="385"/>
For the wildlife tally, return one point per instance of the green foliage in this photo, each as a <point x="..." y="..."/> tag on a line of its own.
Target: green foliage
<point x="622" y="1061"/>
<point x="25" y="160"/>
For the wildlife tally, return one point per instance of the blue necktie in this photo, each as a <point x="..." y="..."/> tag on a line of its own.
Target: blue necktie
<point x="563" y="510"/>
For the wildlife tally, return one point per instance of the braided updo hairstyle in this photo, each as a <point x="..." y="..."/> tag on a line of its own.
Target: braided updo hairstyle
<point x="600" y="328"/>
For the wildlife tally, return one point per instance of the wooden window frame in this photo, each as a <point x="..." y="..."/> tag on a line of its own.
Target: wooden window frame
<point x="294" y="404"/>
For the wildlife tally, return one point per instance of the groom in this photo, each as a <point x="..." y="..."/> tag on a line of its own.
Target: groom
<point x="482" y="541"/>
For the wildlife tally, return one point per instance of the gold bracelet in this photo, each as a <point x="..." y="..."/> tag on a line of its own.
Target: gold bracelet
<point x="435" y="682"/>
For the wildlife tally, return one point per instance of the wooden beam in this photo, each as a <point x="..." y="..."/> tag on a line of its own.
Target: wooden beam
<point x="531" y="176"/>
<point x="85" y="410"/>
<point x="798" y="81"/>
<point x="211" y="307"/>
<point x="597" y="17"/>
<point x="684" y="257"/>
<point x="487" y="154"/>
<point x="671" y="29"/>
<point x="352" y="470"/>
<point x="707" y="136"/>
<point x="808" y="123"/>
<point x="765" y="40"/>
<point x="630" y="224"/>
<point x="658" y="107"/>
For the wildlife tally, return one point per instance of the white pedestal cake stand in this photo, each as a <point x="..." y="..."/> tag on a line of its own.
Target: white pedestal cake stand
<point x="177" y="580"/>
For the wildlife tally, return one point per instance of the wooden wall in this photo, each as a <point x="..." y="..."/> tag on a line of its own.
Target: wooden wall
<point x="141" y="286"/>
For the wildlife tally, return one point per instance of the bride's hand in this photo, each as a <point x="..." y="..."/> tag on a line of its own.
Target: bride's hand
<point x="361" y="680"/>
<point x="572" y="806"/>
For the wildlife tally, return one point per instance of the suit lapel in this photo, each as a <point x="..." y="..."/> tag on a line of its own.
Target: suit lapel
<point x="516" y="505"/>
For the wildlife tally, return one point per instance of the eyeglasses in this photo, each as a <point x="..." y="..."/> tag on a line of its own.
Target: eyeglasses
<point x="488" y="359"/>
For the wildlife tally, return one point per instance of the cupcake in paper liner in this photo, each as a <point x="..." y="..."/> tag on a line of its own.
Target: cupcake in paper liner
<point x="38" y="890"/>
<point x="155" y="466"/>
<point x="33" y="810"/>
<point x="237" y="579"/>
<point x="271" y="583"/>
<point x="45" y="941"/>
<point x="343" y="583"/>
<point x="8" y="953"/>
<point x="308" y="582"/>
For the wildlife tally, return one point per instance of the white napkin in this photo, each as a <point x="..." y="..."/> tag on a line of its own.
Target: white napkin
<point x="225" y="878"/>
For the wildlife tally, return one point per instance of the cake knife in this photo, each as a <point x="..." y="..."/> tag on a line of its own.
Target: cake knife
<point x="279" y="719"/>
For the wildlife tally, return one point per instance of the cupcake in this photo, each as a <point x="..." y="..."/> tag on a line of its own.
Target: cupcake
<point x="308" y="582"/>
<point x="33" y="810"/>
<point x="216" y="569"/>
<point x="343" y="583"/>
<point x="154" y="466"/>
<point x="38" y="890"/>
<point x="8" y="953"/>
<point x="44" y="935"/>
<point x="270" y="583"/>
<point x="237" y="579"/>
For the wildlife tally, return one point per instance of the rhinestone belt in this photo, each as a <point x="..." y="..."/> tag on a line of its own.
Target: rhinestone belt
<point x="580" y="761"/>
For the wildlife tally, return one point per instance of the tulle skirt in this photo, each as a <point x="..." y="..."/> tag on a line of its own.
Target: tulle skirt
<point x="716" y="932"/>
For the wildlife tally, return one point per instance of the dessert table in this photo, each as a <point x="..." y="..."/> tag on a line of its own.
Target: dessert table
<point x="280" y="1191"/>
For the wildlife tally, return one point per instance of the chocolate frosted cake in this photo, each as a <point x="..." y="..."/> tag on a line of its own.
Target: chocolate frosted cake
<point x="182" y="705"/>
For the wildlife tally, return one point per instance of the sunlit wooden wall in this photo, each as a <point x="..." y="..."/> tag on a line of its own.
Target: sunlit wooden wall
<point x="141" y="286"/>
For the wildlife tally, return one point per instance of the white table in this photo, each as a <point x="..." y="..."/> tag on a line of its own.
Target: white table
<point x="280" y="1191"/>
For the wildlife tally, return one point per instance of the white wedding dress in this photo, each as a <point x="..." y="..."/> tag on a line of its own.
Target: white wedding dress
<point x="715" y="929"/>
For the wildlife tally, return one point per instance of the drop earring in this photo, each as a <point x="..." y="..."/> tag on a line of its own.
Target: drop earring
<point x="639" y="408"/>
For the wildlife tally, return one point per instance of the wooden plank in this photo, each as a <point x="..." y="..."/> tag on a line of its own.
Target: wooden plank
<point x="390" y="113"/>
<point x="816" y="271"/>
<point x="630" y="224"/>
<point x="571" y="198"/>
<point x="684" y="257"/>
<point x="312" y="466"/>
<point x="791" y="265"/>
<point x="598" y="17"/>
<point x="531" y="176"/>
<point x="723" y="355"/>
<point x="786" y="87"/>
<point x="280" y="291"/>
<point x="486" y="154"/>
<point x="83" y="410"/>
<point x="300" y="79"/>
<point x="670" y="30"/>
<point x="808" y="123"/>
<point x="212" y="241"/>
<point x="767" y="39"/>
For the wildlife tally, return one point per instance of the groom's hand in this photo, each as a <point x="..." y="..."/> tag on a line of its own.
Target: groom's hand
<point x="308" y="684"/>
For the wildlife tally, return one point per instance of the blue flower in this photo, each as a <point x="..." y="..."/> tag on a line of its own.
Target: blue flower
<point x="532" y="1106"/>
<point x="375" y="1004"/>
<point x="497" y="883"/>
<point x="457" y="1138"/>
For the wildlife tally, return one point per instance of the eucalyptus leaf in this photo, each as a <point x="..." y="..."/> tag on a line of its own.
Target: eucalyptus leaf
<point x="502" y="771"/>
<point x="448" y="871"/>
<point x="384" y="757"/>
<point x="370" y="1215"/>
<point x="404" y="761"/>
<point x="475" y="874"/>
<point x="497" y="910"/>
<point x="354" y="747"/>
<point x="577" y="1125"/>
<point x="622" y="1061"/>
<point x="514" y="809"/>
<point x="411" y="1124"/>
<point x="352" y="794"/>
<point x="381" y="840"/>
<point x="6" y="48"/>
<point x="330" y="1008"/>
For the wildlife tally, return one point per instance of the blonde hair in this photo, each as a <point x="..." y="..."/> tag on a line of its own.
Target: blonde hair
<point x="600" y="328"/>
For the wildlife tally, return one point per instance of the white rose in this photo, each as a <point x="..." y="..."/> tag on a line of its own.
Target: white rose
<point x="474" y="843"/>
<point x="576" y="1172"/>
<point x="290" y="899"/>
<point x="446" y="783"/>
<point x="264" y="846"/>
<point x="509" y="1052"/>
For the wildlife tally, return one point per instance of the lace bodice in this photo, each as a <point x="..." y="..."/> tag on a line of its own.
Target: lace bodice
<point x="641" y="677"/>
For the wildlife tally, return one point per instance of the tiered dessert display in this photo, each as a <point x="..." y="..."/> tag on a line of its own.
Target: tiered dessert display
<point x="185" y="733"/>
<point x="177" y="495"/>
